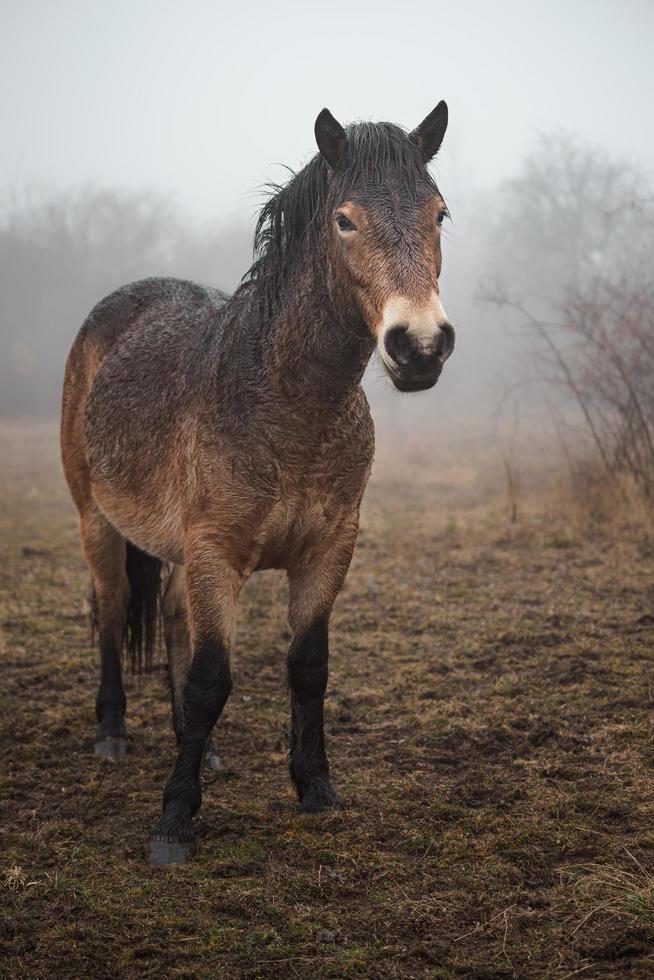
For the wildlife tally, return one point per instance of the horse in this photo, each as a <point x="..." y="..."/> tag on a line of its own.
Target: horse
<point x="210" y="437"/>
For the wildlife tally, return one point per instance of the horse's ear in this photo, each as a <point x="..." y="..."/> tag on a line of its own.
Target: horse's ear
<point x="429" y="134"/>
<point x="330" y="137"/>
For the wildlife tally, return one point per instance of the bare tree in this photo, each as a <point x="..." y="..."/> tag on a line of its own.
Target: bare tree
<point x="577" y="280"/>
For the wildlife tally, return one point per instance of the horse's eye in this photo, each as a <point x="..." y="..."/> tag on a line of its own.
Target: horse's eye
<point x="344" y="223"/>
<point x="442" y="215"/>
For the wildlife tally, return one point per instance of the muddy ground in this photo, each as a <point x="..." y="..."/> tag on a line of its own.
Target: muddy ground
<point x="490" y="730"/>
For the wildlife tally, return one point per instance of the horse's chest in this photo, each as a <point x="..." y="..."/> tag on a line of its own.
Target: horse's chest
<point x="297" y="524"/>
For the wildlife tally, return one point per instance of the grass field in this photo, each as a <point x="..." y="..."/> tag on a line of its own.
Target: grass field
<point x="490" y="730"/>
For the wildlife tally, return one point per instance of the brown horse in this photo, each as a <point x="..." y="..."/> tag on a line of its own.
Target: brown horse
<point x="221" y="436"/>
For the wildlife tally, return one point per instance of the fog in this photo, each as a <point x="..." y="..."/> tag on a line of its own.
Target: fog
<point x="136" y="138"/>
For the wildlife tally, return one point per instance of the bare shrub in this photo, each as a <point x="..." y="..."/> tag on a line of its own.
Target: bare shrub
<point x="592" y="332"/>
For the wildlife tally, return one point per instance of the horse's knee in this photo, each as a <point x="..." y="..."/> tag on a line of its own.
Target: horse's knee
<point x="208" y="685"/>
<point x="307" y="661"/>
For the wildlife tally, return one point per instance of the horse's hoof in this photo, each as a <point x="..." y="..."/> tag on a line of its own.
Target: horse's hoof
<point x="112" y="747"/>
<point x="162" y="852"/>
<point x="212" y="761"/>
<point x="319" y="796"/>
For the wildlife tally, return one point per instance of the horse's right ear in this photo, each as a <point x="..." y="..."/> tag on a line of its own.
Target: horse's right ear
<point x="330" y="137"/>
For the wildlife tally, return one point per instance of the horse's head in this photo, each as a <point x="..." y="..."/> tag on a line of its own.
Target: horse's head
<point x="385" y="214"/>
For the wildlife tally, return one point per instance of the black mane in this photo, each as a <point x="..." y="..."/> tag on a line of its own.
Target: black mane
<point x="379" y="155"/>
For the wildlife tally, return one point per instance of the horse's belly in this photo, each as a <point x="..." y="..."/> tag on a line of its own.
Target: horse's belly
<point x="150" y="520"/>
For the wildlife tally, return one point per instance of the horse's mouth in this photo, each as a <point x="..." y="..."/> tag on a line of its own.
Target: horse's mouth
<point x="407" y="381"/>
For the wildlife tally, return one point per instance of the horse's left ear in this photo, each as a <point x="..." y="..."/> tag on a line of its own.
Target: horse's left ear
<point x="429" y="134"/>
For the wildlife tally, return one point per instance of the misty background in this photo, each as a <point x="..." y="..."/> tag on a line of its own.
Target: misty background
<point x="137" y="139"/>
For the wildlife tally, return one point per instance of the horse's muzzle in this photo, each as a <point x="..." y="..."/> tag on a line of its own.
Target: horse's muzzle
<point x="412" y="364"/>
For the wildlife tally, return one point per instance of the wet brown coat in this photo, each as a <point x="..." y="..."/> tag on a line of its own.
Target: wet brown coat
<point x="210" y="469"/>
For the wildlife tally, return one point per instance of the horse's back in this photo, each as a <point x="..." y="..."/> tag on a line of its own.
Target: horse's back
<point x="127" y="306"/>
<point x="108" y="328"/>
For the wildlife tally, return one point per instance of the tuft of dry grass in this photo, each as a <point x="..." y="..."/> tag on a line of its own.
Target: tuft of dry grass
<point x="610" y="892"/>
<point x="14" y="878"/>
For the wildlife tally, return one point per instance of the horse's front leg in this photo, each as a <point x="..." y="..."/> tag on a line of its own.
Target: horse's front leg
<point x="180" y="653"/>
<point x="212" y="586"/>
<point x="313" y="589"/>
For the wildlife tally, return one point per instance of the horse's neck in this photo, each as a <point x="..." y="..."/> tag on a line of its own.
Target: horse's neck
<point x="317" y="353"/>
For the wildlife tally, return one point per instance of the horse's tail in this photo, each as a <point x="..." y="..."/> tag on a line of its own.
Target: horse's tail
<point x="142" y="628"/>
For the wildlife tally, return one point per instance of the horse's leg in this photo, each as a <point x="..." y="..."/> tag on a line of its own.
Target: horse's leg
<point x="178" y="649"/>
<point x="105" y="550"/>
<point x="313" y="589"/>
<point x="212" y="588"/>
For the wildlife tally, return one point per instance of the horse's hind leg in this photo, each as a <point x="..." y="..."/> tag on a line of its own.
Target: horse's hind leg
<point x="179" y="652"/>
<point x="105" y="552"/>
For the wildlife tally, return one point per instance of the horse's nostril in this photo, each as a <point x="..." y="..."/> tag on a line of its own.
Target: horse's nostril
<point x="398" y="344"/>
<point x="445" y="344"/>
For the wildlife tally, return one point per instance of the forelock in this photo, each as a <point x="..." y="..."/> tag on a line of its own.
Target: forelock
<point x="381" y="155"/>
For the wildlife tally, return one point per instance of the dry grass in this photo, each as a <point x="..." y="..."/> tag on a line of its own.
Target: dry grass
<point x="489" y="723"/>
<point x="613" y="893"/>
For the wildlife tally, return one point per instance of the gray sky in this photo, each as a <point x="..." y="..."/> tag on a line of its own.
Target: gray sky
<point x="200" y="99"/>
